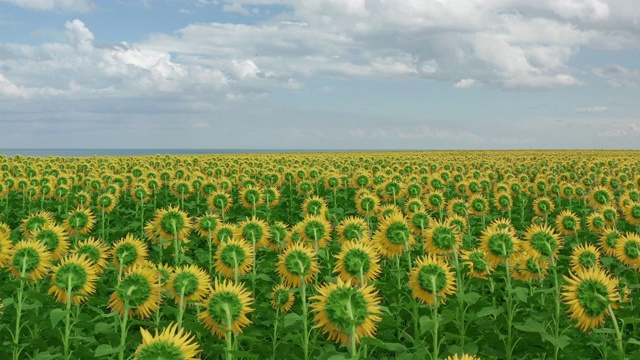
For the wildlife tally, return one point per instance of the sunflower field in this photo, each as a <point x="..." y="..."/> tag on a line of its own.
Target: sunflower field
<point x="363" y="255"/>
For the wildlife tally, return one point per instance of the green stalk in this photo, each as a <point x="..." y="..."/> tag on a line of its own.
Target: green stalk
<point x="67" y="324"/>
<point x="229" y="332"/>
<point x="436" y="320"/>
<point x="19" y="304"/>
<point x="303" y="298"/>
<point x="275" y="334"/>
<point x="123" y="328"/>
<point x="176" y="245"/>
<point x="210" y="244"/>
<point x="509" y="347"/>
<point x="619" y="343"/>
<point x="181" y="307"/>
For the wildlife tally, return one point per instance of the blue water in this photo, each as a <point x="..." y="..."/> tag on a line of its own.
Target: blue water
<point x="133" y="152"/>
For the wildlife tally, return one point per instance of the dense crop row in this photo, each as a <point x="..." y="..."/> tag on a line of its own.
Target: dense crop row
<point x="487" y="255"/>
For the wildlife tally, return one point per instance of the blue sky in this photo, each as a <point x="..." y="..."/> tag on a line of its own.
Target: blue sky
<point x="320" y="74"/>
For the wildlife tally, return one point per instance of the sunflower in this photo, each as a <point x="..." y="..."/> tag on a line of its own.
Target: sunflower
<point x="502" y="224"/>
<point x="431" y="278"/>
<point x="478" y="205"/>
<point x="171" y="343"/>
<point x="589" y="293"/>
<point x="206" y="224"/>
<point x="479" y="266"/>
<point x="5" y="248"/>
<point x="314" y="206"/>
<point x="441" y="238"/>
<point x="5" y="230"/>
<point x="387" y="210"/>
<point x="529" y="267"/>
<point x="462" y="357"/>
<point x="393" y="235"/>
<point x="55" y="238"/>
<point x="35" y="221"/>
<point x="106" y="202"/>
<point x="608" y="240"/>
<point x="567" y="222"/>
<point x="543" y="206"/>
<point x="128" y="252"/>
<point x="173" y="223"/>
<point x="251" y="197"/>
<point x="596" y="222"/>
<point x="80" y="221"/>
<point x="632" y="213"/>
<point x="165" y="272"/>
<point x="226" y="308"/>
<point x="458" y="222"/>
<point x="419" y="222"/>
<point x="277" y="236"/>
<point x="282" y="298"/>
<point x="297" y="262"/>
<point x="600" y="196"/>
<point x="498" y="245"/>
<point x="30" y="259"/>
<point x="584" y="257"/>
<point x="138" y="291"/>
<point x="542" y="240"/>
<point x="435" y="201"/>
<point x="255" y="231"/>
<point x="95" y="250"/>
<point x="502" y="201"/>
<point x="234" y="253"/>
<point x="367" y="203"/>
<point x="610" y="215"/>
<point x="340" y="325"/>
<point x="225" y="232"/>
<point x="220" y="201"/>
<point x="271" y="196"/>
<point x="352" y="229"/>
<point x="76" y="273"/>
<point x="413" y="206"/>
<point x="317" y="230"/>
<point x="357" y="261"/>
<point x="82" y="199"/>
<point x="628" y="250"/>
<point x="190" y="282"/>
<point x="457" y="206"/>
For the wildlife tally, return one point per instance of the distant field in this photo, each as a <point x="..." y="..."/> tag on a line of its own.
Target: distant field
<point x="345" y="255"/>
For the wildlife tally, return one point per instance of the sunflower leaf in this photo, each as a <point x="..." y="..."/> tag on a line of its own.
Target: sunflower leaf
<point x="291" y="319"/>
<point x="56" y="315"/>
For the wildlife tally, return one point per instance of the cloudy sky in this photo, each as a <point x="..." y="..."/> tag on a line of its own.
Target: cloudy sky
<point x="320" y="74"/>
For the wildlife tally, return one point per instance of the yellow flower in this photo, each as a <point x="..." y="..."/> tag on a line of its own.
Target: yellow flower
<point x="55" y="238"/>
<point x="297" y="263"/>
<point x="393" y="235"/>
<point x="30" y="259"/>
<point x="226" y="309"/>
<point x="628" y="250"/>
<point x="138" y="291"/>
<point x="442" y="238"/>
<point x="171" y="343"/>
<point x="431" y="278"/>
<point x="282" y="299"/>
<point x="359" y="320"/>
<point x="190" y="282"/>
<point x="584" y="256"/>
<point x="235" y="253"/>
<point x="356" y="261"/>
<point x="75" y="273"/>
<point x="80" y="221"/>
<point x="129" y="251"/>
<point x="589" y="293"/>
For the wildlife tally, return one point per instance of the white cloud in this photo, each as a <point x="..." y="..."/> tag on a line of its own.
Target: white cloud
<point x="593" y="109"/>
<point x="48" y="5"/>
<point x="464" y="84"/>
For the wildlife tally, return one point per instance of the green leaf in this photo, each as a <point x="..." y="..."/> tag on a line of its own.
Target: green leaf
<point x="531" y="326"/>
<point x="105" y="349"/>
<point x="521" y="294"/>
<point x="384" y="345"/>
<point x="633" y="341"/>
<point x="489" y="310"/>
<point x="56" y="315"/>
<point x="337" y="357"/>
<point x="103" y="328"/>
<point x="561" y="342"/>
<point x="426" y="324"/>
<point x="46" y="356"/>
<point x="470" y="298"/>
<point x="291" y="319"/>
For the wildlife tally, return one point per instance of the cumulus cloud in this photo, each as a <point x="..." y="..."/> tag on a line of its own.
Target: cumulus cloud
<point x="464" y="84"/>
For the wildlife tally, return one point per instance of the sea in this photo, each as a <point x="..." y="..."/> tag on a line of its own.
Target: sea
<point x="139" y="152"/>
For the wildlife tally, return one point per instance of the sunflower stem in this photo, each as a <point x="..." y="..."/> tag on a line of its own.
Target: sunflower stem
<point x="210" y="244"/>
<point x="181" y="307"/>
<point x="229" y="337"/>
<point x="19" y="303"/>
<point x="275" y="334"/>
<point x="509" y="344"/>
<point x="176" y="245"/>
<point x="305" y="336"/>
<point x="67" y="324"/>
<point x="123" y="329"/>
<point x="461" y="304"/>
<point x="556" y="319"/>
<point x="436" y="319"/>
<point x="619" y="343"/>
